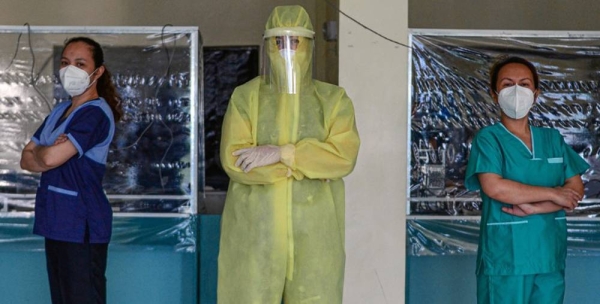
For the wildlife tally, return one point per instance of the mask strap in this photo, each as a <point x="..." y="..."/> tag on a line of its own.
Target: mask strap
<point x="94" y="71"/>
<point x="93" y="74"/>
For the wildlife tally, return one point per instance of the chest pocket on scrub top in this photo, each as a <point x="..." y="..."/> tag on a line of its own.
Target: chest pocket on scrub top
<point x="553" y="170"/>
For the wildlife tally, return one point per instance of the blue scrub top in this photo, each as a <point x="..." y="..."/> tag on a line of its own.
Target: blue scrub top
<point x="512" y="245"/>
<point x="70" y="197"/>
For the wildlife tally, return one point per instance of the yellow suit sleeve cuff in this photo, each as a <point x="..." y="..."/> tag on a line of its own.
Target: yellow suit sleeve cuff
<point x="288" y="155"/>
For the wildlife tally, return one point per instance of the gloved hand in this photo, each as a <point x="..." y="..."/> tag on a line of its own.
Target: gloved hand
<point x="250" y="158"/>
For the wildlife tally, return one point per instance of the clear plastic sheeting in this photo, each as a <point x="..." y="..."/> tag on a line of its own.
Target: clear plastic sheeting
<point x="153" y="161"/>
<point x="175" y="234"/>
<point x="150" y="205"/>
<point x="445" y="206"/>
<point x="438" y="237"/>
<point x="471" y="206"/>
<point x="450" y="102"/>
<point x="178" y="234"/>
<point x="431" y="237"/>
<point x="16" y="204"/>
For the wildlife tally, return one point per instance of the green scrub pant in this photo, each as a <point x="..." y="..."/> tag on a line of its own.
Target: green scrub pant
<point x="544" y="288"/>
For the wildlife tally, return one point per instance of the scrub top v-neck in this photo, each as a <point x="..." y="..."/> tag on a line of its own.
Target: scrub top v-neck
<point x="70" y="199"/>
<point x="508" y="244"/>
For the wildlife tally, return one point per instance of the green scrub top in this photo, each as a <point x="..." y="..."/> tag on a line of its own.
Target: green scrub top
<point x="513" y="245"/>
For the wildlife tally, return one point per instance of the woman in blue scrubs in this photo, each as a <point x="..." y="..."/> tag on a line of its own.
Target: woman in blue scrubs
<point x="527" y="176"/>
<point x="70" y="149"/>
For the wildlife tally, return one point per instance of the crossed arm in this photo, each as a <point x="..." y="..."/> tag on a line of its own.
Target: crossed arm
<point x="526" y="200"/>
<point x="36" y="158"/>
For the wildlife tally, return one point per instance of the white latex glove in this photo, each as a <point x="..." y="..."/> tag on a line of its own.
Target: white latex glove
<point x="250" y="158"/>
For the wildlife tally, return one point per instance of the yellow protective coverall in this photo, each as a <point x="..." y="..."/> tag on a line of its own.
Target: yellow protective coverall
<point x="283" y="234"/>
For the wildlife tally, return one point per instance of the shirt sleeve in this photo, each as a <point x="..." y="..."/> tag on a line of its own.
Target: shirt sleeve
<point x="238" y="123"/>
<point x="87" y="128"/>
<point x="485" y="157"/>
<point x="335" y="157"/>
<point x="36" y="136"/>
<point x="574" y="164"/>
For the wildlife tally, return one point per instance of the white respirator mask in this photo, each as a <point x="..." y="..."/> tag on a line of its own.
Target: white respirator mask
<point x="287" y="53"/>
<point x="515" y="101"/>
<point x="75" y="80"/>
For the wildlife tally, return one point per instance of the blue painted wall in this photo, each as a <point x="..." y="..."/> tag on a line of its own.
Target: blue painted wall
<point x="451" y="279"/>
<point x="151" y="260"/>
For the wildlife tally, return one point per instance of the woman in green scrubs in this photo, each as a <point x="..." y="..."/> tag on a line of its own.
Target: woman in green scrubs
<point x="527" y="176"/>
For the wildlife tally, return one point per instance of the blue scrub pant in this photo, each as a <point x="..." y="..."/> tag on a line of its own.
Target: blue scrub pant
<point x="544" y="288"/>
<point x="76" y="272"/>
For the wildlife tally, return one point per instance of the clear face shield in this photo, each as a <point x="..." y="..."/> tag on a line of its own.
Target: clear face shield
<point x="287" y="61"/>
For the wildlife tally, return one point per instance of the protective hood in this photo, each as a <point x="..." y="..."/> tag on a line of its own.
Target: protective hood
<point x="288" y="49"/>
<point x="289" y="20"/>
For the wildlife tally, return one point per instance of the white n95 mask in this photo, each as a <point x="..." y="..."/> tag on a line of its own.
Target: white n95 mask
<point x="75" y="80"/>
<point x="287" y="54"/>
<point x="515" y="101"/>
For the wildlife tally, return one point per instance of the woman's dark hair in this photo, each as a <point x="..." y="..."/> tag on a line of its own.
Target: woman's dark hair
<point x="106" y="88"/>
<point x="504" y="60"/>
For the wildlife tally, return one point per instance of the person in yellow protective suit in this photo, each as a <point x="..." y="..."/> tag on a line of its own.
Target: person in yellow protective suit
<point x="287" y="142"/>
